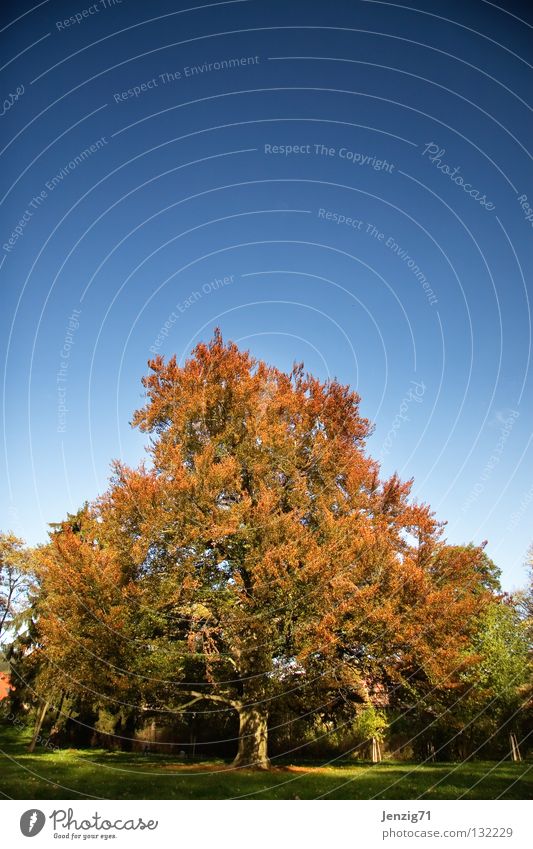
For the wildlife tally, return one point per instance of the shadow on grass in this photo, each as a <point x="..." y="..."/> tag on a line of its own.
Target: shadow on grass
<point x="93" y="773"/>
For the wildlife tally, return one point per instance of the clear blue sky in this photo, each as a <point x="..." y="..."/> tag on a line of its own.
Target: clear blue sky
<point x="198" y="169"/>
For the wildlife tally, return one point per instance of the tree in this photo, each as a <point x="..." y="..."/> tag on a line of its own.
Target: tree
<point x="14" y="564"/>
<point x="524" y="605"/>
<point x="524" y="598"/>
<point x="502" y="645"/>
<point x="263" y="555"/>
<point x="81" y="643"/>
<point x="494" y="702"/>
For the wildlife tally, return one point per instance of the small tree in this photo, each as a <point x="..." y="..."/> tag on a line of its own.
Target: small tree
<point x="370" y="727"/>
<point x="14" y="578"/>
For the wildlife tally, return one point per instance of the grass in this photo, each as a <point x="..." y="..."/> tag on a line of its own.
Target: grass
<point x="82" y="773"/>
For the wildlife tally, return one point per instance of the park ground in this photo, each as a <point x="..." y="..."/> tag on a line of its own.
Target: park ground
<point x="94" y="773"/>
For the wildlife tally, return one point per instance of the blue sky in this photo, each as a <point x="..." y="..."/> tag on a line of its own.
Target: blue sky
<point x="345" y="184"/>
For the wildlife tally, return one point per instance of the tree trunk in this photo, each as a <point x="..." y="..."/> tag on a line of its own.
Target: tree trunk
<point x="515" y="751"/>
<point x="38" y="727"/>
<point x="253" y="737"/>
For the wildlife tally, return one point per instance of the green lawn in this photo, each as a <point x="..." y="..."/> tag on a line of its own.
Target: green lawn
<point x="71" y="774"/>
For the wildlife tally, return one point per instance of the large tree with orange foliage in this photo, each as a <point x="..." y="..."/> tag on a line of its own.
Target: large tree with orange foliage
<point x="258" y="552"/>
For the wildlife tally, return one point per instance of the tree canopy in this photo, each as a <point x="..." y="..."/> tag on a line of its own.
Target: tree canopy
<point x="257" y="558"/>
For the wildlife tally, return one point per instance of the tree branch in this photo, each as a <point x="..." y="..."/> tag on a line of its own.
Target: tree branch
<point x="197" y="697"/>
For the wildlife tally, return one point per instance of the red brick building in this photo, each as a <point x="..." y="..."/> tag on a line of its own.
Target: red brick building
<point x="4" y="685"/>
